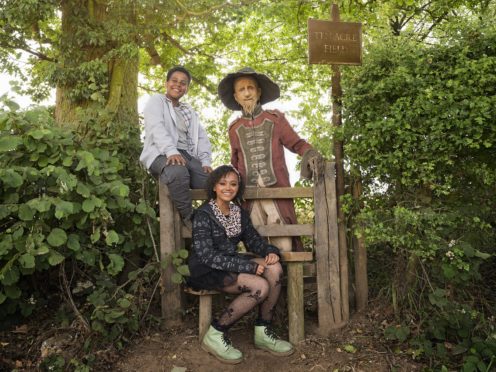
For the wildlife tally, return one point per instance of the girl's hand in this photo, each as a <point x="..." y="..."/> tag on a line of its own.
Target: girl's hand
<point x="260" y="269"/>
<point x="271" y="259"/>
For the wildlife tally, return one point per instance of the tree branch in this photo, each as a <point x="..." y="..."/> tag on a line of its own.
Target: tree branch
<point x="147" y="89"/>
<point x="28" y="50"/>
<point x="153" y="53"/>
<point x="435" y="22"/>
<point x="69" y="299"/>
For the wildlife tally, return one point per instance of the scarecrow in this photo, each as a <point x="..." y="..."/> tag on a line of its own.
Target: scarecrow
<point x="257" y="139"/>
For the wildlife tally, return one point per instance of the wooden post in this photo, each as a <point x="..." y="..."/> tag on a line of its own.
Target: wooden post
<point x="296" y="306"/>
<point x="328" y="256"/>
<point x="325" y="309"/>
<point x="170" y="292"/>
<point x="336" y="94"/>
<point x="296" y="313"/>
<point x="338" y="298"/>
<point x="322" y="43"/>
<point x="360" y="250"/>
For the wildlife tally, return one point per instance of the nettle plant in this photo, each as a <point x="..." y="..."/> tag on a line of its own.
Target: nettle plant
<point x="74" y="210"/>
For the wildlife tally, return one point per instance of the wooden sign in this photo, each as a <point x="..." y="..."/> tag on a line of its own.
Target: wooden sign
<point x="335" y="43"/>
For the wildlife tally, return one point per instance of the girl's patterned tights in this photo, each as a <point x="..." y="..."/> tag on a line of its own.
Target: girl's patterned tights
<point x="253" y="290"/>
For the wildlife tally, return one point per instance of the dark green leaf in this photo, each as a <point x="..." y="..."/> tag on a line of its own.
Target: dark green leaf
<point x="12" y="291"/>
<point x="11" y="276"/>
<point x="9" y="143"/>
<point x="55" y="258"/>
<point x="73" y="242"/>
<point x="83" y="190"/>
<point x="26" y="213"/>
<point x="124" y="303"/>
<point x="57" y="237"/>
<point x="27" y="261"/>
<point x="183" y="270"/>
<point x="111" y="238"/>
<point x="116" y="264"/>
<point x="12" y="178"/>
<point x="177" y="278"/>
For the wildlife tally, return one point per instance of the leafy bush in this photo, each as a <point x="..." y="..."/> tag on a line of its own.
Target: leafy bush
<point x="73" y="208"/>
<point x="419" y="131"/>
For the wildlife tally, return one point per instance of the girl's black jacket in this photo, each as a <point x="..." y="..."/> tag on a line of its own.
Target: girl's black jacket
<point x="212" y="249"/>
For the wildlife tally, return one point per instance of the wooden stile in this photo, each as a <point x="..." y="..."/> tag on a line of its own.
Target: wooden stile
<point x="331" y="263"/>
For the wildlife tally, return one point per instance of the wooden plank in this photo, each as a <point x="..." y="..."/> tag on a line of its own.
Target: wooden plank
<point x="278" y="192"/>
<point x="296" y="315"/>
<point x="201" y="292"/>
<point x="325" y="311"/>
<point x="285" y="230"/>
<point x="264" y="193"/>
<point x="343" y="247"/>
<point x="273" y="230"/>
<point x="205" y="315"/>
<point x="297" y="256"/>
<point x="333" y="244"/>
<point x="171" y="297"/>
<point x="198" y="194"/>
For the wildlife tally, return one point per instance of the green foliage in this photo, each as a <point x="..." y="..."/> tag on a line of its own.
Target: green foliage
<point x="111" y="315"/>
<point x="66" y="203"/>
<point x="178" y="260"/>
<point x="449" y="335"/>
<point x="454" y="332"/>
<point x="419" y="129"/>
<point x="399" y="332"/>
<point x="53" y="362"/>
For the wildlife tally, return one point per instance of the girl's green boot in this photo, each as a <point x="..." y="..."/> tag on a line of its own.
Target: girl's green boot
<point x="218" y="344"/>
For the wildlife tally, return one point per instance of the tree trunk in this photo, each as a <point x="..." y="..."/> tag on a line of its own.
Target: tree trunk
<point x="100" y="76"/>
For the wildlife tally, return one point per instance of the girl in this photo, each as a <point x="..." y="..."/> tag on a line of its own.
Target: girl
<point x="218" y="226"/>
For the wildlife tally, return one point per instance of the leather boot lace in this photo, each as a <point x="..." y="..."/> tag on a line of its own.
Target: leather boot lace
<point x="271" y="333"/>
<point x="226" y="340"/>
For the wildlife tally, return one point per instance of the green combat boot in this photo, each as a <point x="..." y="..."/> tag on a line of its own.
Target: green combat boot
<point x="266" y="339"/>
<point x="219" y="345"/>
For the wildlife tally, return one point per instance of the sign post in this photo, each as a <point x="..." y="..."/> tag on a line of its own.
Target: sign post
<point x="337" y="43"/>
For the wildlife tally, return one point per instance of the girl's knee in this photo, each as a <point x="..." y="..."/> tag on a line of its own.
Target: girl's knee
<point x="277" y="268"/>
<point x="262" y="288"/>
<point x="274" y="271"/>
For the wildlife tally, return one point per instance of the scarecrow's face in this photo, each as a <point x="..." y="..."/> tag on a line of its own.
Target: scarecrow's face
<point x="247" y="93"/>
